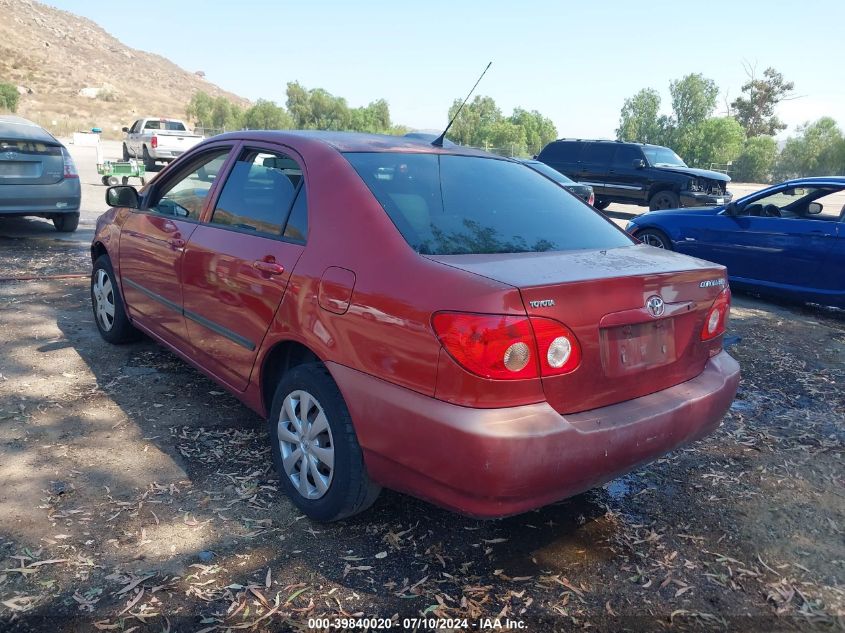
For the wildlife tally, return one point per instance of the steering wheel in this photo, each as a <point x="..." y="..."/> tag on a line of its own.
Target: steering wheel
<point x="771" y="211"/>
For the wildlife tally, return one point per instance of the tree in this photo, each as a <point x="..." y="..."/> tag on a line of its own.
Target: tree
<point x="474" y="125"/>
<point x="755" y="162"/>
<point x="224" y="114"/>
<point x="716" y="140"/>
<point x="374" y="118"/>
<point x="266" y="115"/>
<point x="199" y="107"/>
<point x="639" y="120"/>
<point x="482" y="124"/>
<point x="756" y="109"/>
<point x="818" y="150"/>
<point x="9" y="97"/>
<point x="317" y="109"/>
<point x="693" y="99"/>
<point x="539" y="131"/>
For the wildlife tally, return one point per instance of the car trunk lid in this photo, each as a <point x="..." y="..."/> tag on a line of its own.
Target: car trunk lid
<point x="30" y="162"/>
<point x="602" y="296"/>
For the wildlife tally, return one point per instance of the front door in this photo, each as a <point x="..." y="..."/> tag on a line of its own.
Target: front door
<point x="152" y="242"/>
<point x="238" y="263"/>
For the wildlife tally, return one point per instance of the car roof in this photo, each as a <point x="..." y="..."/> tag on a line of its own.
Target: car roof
<point x="816" y="180"/>
<point x="604" y="140"/>
<point x="14" y="128"/>
<point x="355" y="142"/>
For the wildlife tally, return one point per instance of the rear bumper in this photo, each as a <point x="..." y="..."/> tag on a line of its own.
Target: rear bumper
<point x="56" y="198"/>
<point x="497" y="462"/>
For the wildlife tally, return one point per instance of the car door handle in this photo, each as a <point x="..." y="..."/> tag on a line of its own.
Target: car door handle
<point x="270" y="268"/>
<point x="176" y="242"/>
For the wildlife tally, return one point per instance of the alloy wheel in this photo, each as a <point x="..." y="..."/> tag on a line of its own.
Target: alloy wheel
<point x="306" y="444"/>
<point x="104" y="304"/>
<point x="652" y="240"/>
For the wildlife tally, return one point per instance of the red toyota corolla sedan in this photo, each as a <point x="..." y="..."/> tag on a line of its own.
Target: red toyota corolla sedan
<point x="437" y="321"/>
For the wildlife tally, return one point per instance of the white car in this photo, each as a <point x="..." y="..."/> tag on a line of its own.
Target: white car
<point x="158" y="139"/>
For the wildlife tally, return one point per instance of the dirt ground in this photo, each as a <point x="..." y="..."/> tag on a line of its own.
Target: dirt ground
<point x="136" y="496"/>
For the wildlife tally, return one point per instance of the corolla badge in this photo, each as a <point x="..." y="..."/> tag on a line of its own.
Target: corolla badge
<point x="712" y="282"/>
<point x="655" y="306"/>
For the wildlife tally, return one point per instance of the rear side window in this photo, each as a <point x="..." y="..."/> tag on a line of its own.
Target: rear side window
<point x="259" y="193"/>
<point x="598" y="153"/>
<point x="449" y="205"/>
<point x="626" y="155"/>
<point x="561" y="152"/>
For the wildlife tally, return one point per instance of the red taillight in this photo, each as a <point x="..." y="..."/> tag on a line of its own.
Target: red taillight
<point x="69" y="166"/>
<point x="592" y="199"/>
<point x="716" y="320"/>
<point x="505" y="347"/>
<point x="154" y="142"/>
<point x="558" y="348"/>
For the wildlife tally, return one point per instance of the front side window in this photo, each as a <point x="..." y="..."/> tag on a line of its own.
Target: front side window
<point x="449" y="205"/>
<point x="259" y="192"/>
<point x="626" y="155"/>
<point x="796" y="202"/>
<point x="184" y="196"/>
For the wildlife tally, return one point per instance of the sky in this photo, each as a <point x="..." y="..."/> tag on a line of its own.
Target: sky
<point x="575" y="62"/>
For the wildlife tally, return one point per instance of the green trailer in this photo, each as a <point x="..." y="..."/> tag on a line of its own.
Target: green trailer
<point x="116" y="172"/>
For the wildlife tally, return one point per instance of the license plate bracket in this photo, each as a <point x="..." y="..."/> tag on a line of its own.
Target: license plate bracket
<point x="638" y="346"/>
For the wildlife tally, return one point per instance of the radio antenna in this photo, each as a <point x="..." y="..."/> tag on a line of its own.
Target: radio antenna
<point x="438" y="142"/>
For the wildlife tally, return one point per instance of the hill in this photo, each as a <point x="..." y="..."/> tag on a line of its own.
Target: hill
<point x="73" y="75"/>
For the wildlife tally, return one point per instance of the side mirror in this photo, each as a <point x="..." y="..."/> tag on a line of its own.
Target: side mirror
<point x="125" y="129"/>
<point x="731" y="209"/>
<point x="123" y="196"/>
<point x="638" y="163"/>
<point x="814" y="208"/>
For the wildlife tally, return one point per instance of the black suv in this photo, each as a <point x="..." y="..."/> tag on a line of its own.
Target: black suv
<point x="636" y="173"/>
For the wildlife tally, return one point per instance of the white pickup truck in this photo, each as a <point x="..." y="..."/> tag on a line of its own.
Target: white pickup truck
<point x="157" y="139"/>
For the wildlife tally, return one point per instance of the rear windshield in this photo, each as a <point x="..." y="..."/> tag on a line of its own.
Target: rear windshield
<point x="31" y="148"/>
<point x="451" y="205"/>
<point x="171" y="126"/>
<point x="549" y="172"/>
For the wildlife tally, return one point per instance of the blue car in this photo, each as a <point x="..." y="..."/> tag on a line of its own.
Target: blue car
<point x="787" y="240"/>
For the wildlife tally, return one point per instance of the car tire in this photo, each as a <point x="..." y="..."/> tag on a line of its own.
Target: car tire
<point x="601" y="205"/>
<point x="124" y="180"/>
<point x="335" y="484"/>
<point x="149" y="162"/>
<point x="125" y="153"/>
<point x="66" y="222"/>
<point x="115" y="328"/>
<point x="664" y="200"/>
<point x="654" y="237"/>
<point x="113" y="181"/>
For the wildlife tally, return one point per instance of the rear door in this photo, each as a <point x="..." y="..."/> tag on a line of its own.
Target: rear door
<point x="152" y="244"/>
<point x="562" y="156"/>
<point x="595" y="165"/>
<point x="238" y="263"/>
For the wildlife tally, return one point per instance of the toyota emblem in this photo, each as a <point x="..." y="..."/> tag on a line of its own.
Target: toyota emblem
<point x="655" y="306"/>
